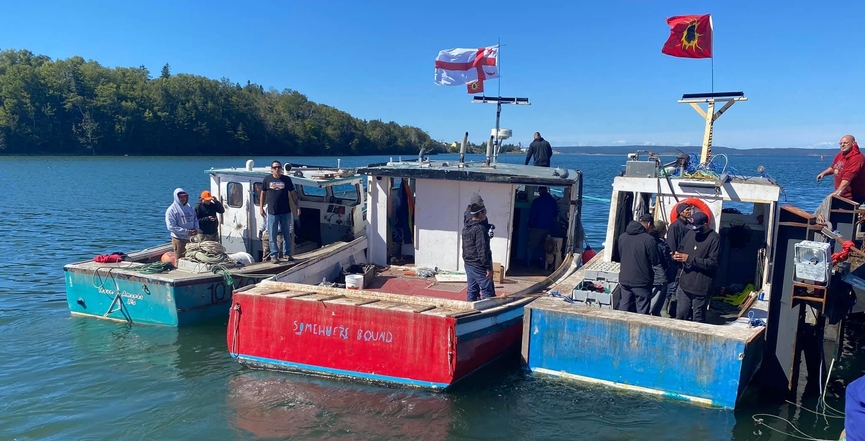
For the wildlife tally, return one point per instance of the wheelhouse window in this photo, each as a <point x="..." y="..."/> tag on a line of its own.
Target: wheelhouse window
<point x="309" y="193"/>
<point x="235" y="194"/>
<point x="346" y="194"/>
<point x="256" y="193"/>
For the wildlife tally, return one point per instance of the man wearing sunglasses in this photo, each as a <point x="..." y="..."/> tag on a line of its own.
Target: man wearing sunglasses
<point x="275" y="191"/>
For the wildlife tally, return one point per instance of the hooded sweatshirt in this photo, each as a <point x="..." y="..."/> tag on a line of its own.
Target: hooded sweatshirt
<point x="848" y="167"/>
<point x="476" y="245"/>
<point x="638" y="256"/>
<point x="179" y="219"/>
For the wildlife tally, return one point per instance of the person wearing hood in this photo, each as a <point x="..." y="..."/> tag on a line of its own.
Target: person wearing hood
<point x="675" y="233"/>
<point x="698" y="254"/>
<point x="540" y="150"/>
<point x="847" y="170"/>
<point x="638" y="262"/>
<point x="181" y="221"/>
<point x="477" y="255"/>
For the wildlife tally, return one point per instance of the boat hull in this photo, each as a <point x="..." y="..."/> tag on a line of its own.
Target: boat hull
<point x="367" y="339"/>
<point x="147" y="300"/>
<point x="700" y="363"/>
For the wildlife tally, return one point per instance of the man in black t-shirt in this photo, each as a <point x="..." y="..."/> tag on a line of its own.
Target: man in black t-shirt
<point x="275" y="191"/>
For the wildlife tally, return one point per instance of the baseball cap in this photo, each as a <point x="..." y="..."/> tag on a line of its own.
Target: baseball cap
<point x="206" y="195"/>
<point x="698" y="219"/>
<point x="646" y="217"/>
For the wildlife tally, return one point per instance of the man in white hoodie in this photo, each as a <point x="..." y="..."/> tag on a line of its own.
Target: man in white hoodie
<point x="181" y="221"/>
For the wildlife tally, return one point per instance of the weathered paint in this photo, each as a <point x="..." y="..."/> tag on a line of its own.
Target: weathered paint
<point x="691" y="361"/>
<point x="146" y="301"/>
<point x="367" y="339"/>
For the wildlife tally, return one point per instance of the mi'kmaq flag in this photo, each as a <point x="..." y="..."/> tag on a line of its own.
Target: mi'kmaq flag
<point x="455" y="67"/>
<point x="690" y="36"/>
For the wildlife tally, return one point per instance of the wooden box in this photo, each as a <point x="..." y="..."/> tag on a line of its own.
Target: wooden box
<point x="498" y="273"/>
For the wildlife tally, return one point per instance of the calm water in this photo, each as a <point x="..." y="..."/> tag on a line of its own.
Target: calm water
<point x="66" y="378"/>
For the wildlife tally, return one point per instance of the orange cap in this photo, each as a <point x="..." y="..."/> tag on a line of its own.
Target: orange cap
<point x="206" y="195"/>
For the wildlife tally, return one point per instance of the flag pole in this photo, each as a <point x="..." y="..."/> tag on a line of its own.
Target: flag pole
<point x="499" y="103"/>
<point x="712" y="30"/>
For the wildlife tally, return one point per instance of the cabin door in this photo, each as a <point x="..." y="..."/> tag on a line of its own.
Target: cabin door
<point x="238" y="220"/>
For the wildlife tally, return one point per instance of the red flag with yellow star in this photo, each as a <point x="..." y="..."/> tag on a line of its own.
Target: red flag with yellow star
<point x="690" y="36"/>
<point x="475" y="86"/>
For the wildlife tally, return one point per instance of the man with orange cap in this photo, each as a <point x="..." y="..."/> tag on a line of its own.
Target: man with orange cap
<point x="206" y="210"/>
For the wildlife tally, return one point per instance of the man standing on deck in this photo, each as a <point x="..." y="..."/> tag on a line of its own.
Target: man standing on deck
<point x="181" y="222"/>
<point x="847" y="168"/>
<point x="675" y="233"/>
<point x="698" y="254"/>
<point x="477" y="255"/>
<point x="638" y="255"/>
<point x="540" y="150"/>
<point x="542" y="219"/>
<point x="275" y="190"/>
<point x="206" y="210"/>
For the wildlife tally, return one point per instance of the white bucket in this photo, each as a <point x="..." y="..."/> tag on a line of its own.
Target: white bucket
<point x="241" y="257"/>
<point x="354" y="281"/>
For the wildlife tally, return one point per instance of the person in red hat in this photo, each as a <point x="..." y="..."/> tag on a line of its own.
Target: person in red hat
<point x="206" y="209"/>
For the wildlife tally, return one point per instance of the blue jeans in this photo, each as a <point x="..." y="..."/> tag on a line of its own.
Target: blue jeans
<point x="285" y="223"/>
<point x="479" y="284"/>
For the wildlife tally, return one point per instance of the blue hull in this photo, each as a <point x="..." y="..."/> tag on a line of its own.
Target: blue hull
<point x="144" y="299"/>
<point x="699" y="363"/>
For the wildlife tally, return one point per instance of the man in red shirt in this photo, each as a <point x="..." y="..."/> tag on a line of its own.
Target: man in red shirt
<point x="847" y="169"/>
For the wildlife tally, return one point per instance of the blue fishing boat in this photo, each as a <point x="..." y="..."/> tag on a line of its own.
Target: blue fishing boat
<point x="142" y="289"/>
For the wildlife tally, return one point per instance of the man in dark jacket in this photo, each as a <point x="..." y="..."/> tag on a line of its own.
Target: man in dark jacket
<point x="639" y="257"/>
<point x="478" y="256"/>
<point x="206" y="210"/>
<point x="540" y="150"/>
<point x="698" y="254"/>
<point x="665" y="272"/>
<point x="675" y="232"/>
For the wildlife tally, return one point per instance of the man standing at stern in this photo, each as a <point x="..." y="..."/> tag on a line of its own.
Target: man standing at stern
<point x="206" y="210"/>
<point x="639" y="259"/>
<point x="181" y="222"/>
<point x="477" y="255"/>
<point x="275" y="190"/>
<point x="847" y="169"/>
<point x="698" y="254"/>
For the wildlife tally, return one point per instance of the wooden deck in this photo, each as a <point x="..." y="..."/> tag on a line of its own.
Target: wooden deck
<point x="398" y="280"/>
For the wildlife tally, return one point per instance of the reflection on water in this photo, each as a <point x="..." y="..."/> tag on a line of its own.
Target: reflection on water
<point x="80" y="378"/>
<point x="272" y="405"/>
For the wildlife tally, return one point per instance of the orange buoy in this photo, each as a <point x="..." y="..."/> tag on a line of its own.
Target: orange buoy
<point x="169" y="257"/>
<point x="698" y="205"/>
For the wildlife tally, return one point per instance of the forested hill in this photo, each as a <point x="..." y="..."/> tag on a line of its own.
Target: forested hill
<point x="75" y="106"/>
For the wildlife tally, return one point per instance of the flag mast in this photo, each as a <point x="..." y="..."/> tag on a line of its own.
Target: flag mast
<point x="493" y="144"/>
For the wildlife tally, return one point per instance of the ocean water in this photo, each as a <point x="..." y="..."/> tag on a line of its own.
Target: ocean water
<point x="70" y="378"/>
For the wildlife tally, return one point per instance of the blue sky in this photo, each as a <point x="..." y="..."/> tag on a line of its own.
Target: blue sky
<point x="593" y="70"/>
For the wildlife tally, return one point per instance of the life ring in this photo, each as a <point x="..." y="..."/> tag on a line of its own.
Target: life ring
<point x="698" y="205"/>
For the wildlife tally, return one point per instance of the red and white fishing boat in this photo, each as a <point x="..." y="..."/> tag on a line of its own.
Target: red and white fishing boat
<point x="401" y="327"/>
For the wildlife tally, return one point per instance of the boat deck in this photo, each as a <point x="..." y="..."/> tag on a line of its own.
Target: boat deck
<point x="401" y="280"/>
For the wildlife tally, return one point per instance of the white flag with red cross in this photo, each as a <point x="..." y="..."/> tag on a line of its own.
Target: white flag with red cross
<point x="455" y="67"/>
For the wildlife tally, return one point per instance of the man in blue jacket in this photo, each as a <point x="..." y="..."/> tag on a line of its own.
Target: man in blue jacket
<point x="542" y="219"/>
<point x="698" y="254"/>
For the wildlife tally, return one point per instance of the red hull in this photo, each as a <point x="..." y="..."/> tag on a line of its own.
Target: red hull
<point x="390" y="342"/>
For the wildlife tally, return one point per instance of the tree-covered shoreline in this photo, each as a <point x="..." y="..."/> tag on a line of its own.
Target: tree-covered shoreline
<point x="78" y="107"/>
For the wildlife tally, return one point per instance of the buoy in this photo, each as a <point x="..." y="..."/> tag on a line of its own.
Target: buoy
<point x="698" y="206"/>
<point x="169" y="257"/>
<point x="588" y="253"/>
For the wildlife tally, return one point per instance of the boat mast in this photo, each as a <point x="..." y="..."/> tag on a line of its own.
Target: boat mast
<point x="710" y="115"/>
